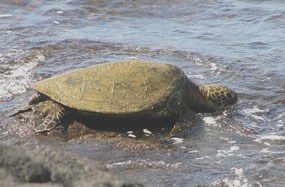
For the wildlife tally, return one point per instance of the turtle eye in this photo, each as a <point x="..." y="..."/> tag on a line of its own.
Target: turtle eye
<point x="229" y="95"/>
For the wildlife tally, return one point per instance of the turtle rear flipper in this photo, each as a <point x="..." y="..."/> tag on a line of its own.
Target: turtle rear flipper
<point x="51" y="114"/>
<point x="19" y="109"/>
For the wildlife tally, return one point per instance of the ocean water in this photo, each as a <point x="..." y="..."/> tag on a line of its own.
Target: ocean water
<point x="238" y="43"/>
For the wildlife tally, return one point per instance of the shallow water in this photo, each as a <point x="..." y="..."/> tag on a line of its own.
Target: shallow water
<point x="236" y="43"/>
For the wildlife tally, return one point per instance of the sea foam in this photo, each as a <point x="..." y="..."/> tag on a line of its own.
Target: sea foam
<point x="16" y="69"/>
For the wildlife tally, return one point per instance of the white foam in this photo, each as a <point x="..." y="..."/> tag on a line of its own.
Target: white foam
<point x="227" y="153"/>
<point x="213" y="66"/>
<point x="147" y="163"/>
<point x="256" y="115"/>
<point x="228" y="140"/>
<point x="56" y="22"/>
<point x="5" y="15"/>
<point x="146" y="131"/>
<point x="177" y="140"/>
<point x="265" y="150"/>
<point x="211" y="120"/>
<point x="254" y="110"/>
<point x="202" y="77"/>
<point x="271" y="137"/>
<point x="237" y="179"/>
<point x="18" y="75"/>
<point x="194" y="151"/>
<point x="132" y="135"/>
<point x="197" y="60"/>
<point x="202" y="158"/>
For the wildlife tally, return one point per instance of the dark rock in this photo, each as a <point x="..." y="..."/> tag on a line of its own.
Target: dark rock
<point x="42" y="166"/>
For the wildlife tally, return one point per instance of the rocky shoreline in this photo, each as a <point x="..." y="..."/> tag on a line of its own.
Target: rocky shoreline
<point x="23" y="165"/>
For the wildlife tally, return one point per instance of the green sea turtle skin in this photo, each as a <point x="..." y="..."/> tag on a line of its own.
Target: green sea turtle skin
<point x="127" y="89"/>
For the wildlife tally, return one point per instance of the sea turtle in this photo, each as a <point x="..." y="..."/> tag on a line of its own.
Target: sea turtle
<point x="128" y="89"/>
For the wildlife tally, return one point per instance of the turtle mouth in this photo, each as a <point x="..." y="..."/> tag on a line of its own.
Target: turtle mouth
<point x="232" y="97"/>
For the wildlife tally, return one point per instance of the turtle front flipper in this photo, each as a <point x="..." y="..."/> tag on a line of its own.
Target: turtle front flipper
<point x="185" y="121"/>
<point x="51" y="114"/>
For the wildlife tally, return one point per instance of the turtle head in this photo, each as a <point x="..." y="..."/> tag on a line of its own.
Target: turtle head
<point x="37" y="98"/>
<point x="217" y="97"/>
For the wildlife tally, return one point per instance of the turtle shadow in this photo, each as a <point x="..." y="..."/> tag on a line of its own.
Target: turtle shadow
<point x="117" y="124"/>
<point x="78" y="126"/>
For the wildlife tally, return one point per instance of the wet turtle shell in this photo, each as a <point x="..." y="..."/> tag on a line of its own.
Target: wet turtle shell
<point x="134" y="88"/>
